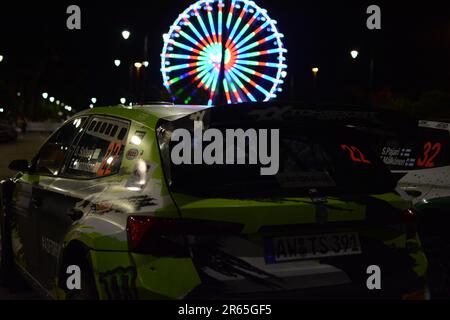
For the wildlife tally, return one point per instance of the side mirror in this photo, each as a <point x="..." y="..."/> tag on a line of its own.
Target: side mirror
<point x="19" y="165"/>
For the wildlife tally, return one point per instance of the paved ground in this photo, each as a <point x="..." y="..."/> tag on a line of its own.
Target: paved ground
<point x="25" y="147"/>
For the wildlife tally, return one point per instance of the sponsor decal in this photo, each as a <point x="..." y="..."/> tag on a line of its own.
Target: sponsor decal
<point x="289" y="113"/>
<point x="120" y="283"/>
<point x="132" y="154"/>
<point x="50" y="246"/>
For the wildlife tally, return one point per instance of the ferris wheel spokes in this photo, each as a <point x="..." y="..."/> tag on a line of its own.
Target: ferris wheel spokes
<point x="199" y="45"/>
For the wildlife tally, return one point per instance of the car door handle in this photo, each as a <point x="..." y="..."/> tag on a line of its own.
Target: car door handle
<point x="36" y="202"/>
<point x="75" y="214"/>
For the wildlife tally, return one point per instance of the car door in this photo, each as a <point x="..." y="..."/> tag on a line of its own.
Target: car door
<point x="24" y="221"/>
<point x="84" y="169"/>
<point x="44" y="171"/>
<point x="30" y="194"/>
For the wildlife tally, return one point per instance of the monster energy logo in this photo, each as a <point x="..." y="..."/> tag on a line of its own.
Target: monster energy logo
<point x="120" y="283"/>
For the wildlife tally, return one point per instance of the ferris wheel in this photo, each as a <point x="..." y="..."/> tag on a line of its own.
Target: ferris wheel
<point x="254" y="63"/>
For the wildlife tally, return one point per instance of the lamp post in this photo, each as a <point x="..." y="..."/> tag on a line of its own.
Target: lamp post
<point x="372" y="65"/>
<point x="315" y="71"/>
<point x="355" y="54"/>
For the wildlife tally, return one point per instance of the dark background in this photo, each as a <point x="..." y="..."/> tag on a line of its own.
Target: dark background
<point x="411" y="53"/>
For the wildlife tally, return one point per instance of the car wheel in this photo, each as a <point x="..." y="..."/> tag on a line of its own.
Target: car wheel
<point x="6" y="262"/>
<point x="437" y="249"/>
<point x="433" y="233"/>
<point x="88" y="290"/>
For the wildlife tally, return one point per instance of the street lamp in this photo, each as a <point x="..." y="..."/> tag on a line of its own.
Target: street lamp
<point x="138" y="65"/>
<point x="117" y="62"/>
<point x="123" y="100"/>
<point x="354" y="54"/>
<point x="45" y="95"/>
<point x="52" y="99"/>
<point x="315" y="71"/>
<point x="58" y="102"/>
<point x="1" y="58"/>
<point x="94" y="100"/>
<point x="126" y="34"/>
<point x="91" y="106"/>
<point x="145" y="63"/>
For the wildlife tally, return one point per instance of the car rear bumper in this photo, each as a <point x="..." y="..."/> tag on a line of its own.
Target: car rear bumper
<point x="338" y="292"/>
<point x="124" y="275"/>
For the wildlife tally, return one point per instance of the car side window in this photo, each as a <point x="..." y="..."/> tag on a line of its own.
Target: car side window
<point x="100" y="149"/>
<point x="50" y="158"/>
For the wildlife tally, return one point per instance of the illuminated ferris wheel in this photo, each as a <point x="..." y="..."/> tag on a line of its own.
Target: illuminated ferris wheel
<point x="254" y="63"/>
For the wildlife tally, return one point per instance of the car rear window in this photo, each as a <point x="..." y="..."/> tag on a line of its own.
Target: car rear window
<point x="425" y="149"/>
<point x="332" y="161"/>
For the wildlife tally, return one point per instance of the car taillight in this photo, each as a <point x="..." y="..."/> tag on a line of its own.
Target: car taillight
<point x="410" y="215"/>
<point x="137" y="227"/>
<point x="410" y="218"/>
<point x="165" y="236"/>
<point x="416" y="295"/>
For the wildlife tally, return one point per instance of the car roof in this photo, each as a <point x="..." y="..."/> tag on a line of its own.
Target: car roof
<point x="150" y="114"/>
<point x="147" y="114"/>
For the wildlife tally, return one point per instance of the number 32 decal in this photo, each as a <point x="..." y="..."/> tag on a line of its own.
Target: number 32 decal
<point x="355" y="154"/>
<point x="431" y="151"/>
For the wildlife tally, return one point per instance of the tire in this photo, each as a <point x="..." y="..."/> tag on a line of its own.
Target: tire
<point x="437" y="249"/>
<point x="6" y="262"/>
<point x="88" y="289"/>
<point x="436" y="244"/>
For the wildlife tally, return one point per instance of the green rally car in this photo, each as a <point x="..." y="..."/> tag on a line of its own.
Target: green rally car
<point x="104" y="198"/>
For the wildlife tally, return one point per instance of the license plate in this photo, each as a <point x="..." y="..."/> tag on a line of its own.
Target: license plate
<point x="293" y="248"/>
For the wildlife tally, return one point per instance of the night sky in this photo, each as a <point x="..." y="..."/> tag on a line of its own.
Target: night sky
<point x="411" y="52"/>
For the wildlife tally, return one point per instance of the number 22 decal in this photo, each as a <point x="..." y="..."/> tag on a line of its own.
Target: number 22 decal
<point x="427" y="160"/>
<point x="110" y="158"/>
<point x="355" y="154"/>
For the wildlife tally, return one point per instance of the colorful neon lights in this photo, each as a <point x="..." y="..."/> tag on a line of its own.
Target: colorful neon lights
<point x="254" y="62"/>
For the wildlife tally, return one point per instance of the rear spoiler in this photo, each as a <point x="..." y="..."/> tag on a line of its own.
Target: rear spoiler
<point x="370" y="120"/>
